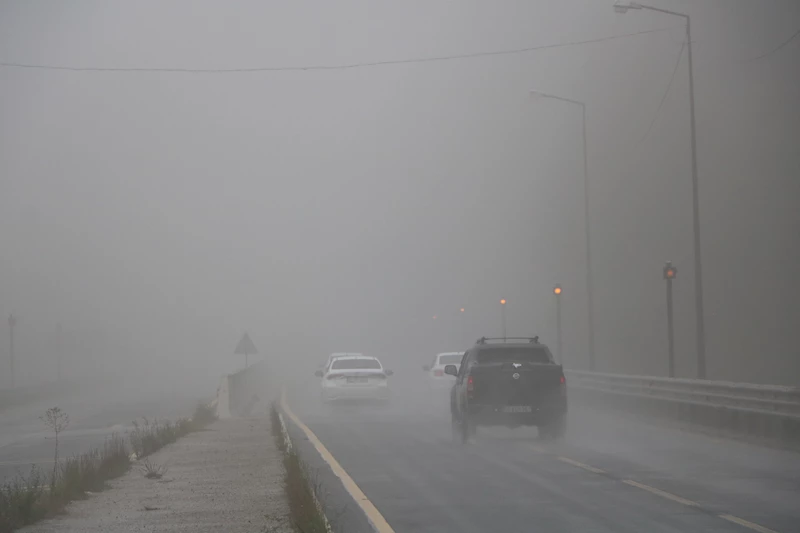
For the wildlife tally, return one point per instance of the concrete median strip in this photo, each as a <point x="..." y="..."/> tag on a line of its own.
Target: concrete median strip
<point x="375" y="518"/>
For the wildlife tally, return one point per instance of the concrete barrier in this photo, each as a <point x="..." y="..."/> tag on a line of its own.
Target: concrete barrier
<point x="764" y="412"/>
<point x="244" y="392"/>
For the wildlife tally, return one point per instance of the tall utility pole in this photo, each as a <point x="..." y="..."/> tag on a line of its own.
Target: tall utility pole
<point x="698" y="291"/>
<point x="589" y="288"/>
<point x="669" y="274"/>
<point x="12" y="321"/>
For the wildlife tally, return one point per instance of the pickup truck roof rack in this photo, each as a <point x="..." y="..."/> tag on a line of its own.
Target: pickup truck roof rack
<point x="532" y="340"/>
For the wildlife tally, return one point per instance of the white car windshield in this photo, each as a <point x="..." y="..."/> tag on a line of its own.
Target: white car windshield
<point x="353" y="364"/>
<point x="450" y="359"/>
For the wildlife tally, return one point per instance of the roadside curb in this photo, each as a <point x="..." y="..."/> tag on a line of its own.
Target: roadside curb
<point x="288" y="442"/>
<point x="334" y="490"/>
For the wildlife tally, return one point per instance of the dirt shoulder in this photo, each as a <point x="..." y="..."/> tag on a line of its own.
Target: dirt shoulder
<point x="228" y="477"/>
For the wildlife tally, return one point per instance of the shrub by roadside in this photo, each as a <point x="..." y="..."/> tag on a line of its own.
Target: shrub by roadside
<point x="28" y="499"/>
<point x="306" y="515"/>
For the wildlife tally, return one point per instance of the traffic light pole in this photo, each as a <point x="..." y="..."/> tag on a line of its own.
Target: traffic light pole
<point x="670" y="331"/>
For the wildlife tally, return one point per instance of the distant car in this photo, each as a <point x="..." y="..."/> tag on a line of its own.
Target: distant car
<point x="437" y="379"/>
<point x="334" y="355"/>
<point x="354" y="377"/>
<point x="508" y="382"/>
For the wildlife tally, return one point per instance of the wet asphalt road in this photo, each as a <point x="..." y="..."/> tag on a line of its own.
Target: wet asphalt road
<point x="94" y="415"/>
<point x="605" y="477"/>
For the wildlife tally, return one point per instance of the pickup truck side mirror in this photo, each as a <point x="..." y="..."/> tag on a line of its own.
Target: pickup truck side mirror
<point x="389" y="372"/>
<point x="318" y="373"/>
<point x="451" y="370"/>
<point x="426" y="368"/>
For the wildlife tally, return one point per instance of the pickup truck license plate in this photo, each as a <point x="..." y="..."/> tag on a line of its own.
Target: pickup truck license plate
<point x="517" y="409"/>
<point x="356" y="380"/>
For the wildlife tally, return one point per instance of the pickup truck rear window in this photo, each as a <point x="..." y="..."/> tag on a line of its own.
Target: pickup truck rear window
<point x="506" y="355"/>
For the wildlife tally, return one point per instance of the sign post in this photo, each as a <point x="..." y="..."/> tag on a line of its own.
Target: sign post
<point x="245" y="347"/>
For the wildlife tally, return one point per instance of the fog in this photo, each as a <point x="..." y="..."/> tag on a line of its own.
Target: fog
<point x="155" y="216"/>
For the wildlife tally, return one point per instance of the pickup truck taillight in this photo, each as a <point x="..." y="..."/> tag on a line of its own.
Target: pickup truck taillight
<point x="563" y="380"/>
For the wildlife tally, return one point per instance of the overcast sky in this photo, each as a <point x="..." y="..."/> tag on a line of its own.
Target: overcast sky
<point x="158" y="215"/>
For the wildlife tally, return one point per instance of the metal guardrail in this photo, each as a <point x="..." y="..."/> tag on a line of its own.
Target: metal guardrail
<point x="767" y="411"/>
<point x="769" y="398"/>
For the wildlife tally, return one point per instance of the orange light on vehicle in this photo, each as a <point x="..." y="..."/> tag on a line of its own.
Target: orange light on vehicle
<point x="502" y="302"/>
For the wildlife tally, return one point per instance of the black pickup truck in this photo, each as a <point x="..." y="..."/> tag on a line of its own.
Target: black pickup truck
<point x="513" y="382"/>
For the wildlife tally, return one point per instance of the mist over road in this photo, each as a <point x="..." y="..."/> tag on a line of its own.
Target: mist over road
<point x="602" y="478"/>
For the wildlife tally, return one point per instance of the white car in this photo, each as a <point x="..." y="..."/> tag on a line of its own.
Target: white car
<point x="436" y="376"/>
<point x="354" y="376"/>
<point x="334" y="355"/>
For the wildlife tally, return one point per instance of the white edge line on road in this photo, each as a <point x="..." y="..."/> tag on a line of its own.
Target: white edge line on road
<point x="374" y="516"/>
<point x="659" y="492"/>
<point x="580" y="465"/>
<point x="745" y="523"/>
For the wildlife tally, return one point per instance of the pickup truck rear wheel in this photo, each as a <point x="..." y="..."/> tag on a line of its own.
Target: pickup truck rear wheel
<point x="462" y="430"/>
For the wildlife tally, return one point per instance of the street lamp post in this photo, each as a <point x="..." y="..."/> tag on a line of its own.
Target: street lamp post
<point x="698" y="296"/>
<point x="557" y="292"/>
<point x="12" y="321"/>
<point x="503" y="316"/>
<point x="589" y="290"/>
<point x="669" y="274"/>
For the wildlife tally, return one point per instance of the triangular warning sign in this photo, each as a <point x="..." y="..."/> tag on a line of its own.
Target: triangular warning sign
<point x="245" y="346"/>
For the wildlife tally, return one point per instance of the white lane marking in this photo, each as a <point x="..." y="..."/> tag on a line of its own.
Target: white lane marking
<point x="659" y="492"/>
<point x="375" y="518"/>
<point x="745" y="523"/>
<point x="580" y="465"/>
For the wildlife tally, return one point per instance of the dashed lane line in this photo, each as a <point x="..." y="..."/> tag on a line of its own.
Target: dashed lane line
<point x="668" y="495"/>
<point x="580" y="465"/>
<point x="659" y="492"/>
<point x="745" y="523"/>
<point x="374" y="516"/>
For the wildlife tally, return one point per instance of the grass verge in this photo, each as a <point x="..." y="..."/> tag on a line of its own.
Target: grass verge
<point x="306" y="515"/>
<point x="29" y="498"/>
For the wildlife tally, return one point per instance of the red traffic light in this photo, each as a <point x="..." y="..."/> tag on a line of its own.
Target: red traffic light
<point x="670" y="272"/>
